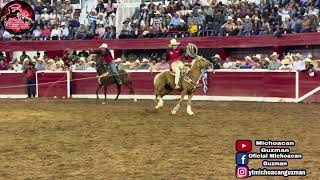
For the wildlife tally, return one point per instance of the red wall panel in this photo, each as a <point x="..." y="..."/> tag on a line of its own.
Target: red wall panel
<point x="52" y="84"/>
<point x="255" y="84"/>
<point x="12" y="83"/>
<point x="307" y="84"/>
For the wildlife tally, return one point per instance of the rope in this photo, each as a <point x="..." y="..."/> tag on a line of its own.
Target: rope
<point x="40" y="84"/>
<point x="192" y="50"/>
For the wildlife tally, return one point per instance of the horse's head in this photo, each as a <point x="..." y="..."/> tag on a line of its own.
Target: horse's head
<point x="201" y="63"/>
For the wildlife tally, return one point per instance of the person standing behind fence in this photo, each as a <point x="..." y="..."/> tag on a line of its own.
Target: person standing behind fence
<point x="31" y="80"/>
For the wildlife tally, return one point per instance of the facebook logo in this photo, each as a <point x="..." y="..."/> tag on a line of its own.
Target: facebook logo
<point x="242" y="158"/>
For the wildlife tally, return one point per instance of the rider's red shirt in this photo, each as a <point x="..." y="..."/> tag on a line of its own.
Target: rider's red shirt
<point x="107" y="59"/>
<point x="174" y="55"/>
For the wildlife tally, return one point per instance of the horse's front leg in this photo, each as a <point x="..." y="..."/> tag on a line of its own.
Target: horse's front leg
<point x="176" y="108"/>
<point x="189" y="111"/>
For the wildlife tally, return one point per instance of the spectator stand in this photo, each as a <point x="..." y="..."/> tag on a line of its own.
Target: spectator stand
<point x="125" y="9"/>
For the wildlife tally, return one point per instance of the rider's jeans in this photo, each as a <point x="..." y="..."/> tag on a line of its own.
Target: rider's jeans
<point x="114" y="72"/>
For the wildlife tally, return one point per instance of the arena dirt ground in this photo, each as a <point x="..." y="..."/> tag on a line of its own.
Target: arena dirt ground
<point x="83" y="139"/>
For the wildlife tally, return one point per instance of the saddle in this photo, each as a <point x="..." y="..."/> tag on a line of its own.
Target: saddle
<point x="109" y="69"/>
<point x="183" y="71"/>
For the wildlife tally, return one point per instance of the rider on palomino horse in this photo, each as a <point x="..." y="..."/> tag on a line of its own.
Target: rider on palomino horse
<point x="174" y="57"/>
<point x="108" y="61"/>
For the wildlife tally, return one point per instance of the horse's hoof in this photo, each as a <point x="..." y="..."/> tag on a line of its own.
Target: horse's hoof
<point x="103" y="102"/>
<point x="173" y="112"/>
<point x="191" y="113"/>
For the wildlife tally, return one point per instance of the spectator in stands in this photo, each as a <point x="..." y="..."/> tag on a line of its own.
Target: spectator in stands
<point x="175" y="21"/>
<point x="74" y="23"/>
<point x="24" y="56"/>
<point x="16" y="66"/>
<point x="144" y="65"/>
<point x="2" y="57"/>
<point x="91" y="66"/>
<point x="229" y="28"/>
<point x="92" y="19"/>
<point x="256" y="62"/>
<point x="100" y="6"/>
<point x="3" y="65"/>
<point x="227" y="64"/>
<point x="286" y="65"/>
<point x="298" y="63"/>
<point x="40" y="65"/>
<point x="67" y="6"/>
<point x="111" y="33"/>
<point x="102" y="20"/>
<point x="81" y="66"/>
<point x="55" y="33"/>
<point x="215" y="60"/>
<point x="265" y="27"/>
<point x="247" y="63"/>
<point x="110" y="8"/>
<point x="45" y="17"/>
<point x="46" y="33"/>
<point x="6" y="35"/>
<point x="51" y="65"/>
<point x="127" y="30"/>
<point x="64" y="31"/>
<point x="37" y="33"/>
<point x="83" y="53"/>
<point x="305" y="24"/>
<point x="264" y="63"/>
<point x="247" y="27"/>
<point x="60" y="65"/>
<point x="82" y="32"/>
<point x="100" y="31"/>
<point x="111" y="21"/>
<point x="193" y="29"/>
<point x="274" y="63"/>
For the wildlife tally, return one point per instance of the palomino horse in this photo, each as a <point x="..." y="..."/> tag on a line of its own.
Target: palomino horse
<point x="105" y="78"/>
<point x="164" y="83"/>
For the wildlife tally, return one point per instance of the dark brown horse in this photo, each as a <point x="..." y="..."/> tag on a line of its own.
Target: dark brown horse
<point x="105" y="78"/>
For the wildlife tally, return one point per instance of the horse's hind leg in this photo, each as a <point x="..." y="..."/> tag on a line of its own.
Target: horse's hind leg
<point x="99" y="86"/>
<point x="128" y="84"/>
<point x="105" y="90"/>
<point x="160" y="95"/>
<point x="119" y="91"/>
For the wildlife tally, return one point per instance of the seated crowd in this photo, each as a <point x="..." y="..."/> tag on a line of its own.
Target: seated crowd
<point x="60" y="21"/>
<point x="82" y="62"/>
<point x="213" y="18"/>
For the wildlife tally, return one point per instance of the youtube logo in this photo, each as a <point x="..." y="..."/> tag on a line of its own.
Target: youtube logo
<point x="243" y="145"/>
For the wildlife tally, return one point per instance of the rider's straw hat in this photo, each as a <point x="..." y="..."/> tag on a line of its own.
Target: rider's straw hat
<point x="104" y="45"/>
<point x="173" y="42"/>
